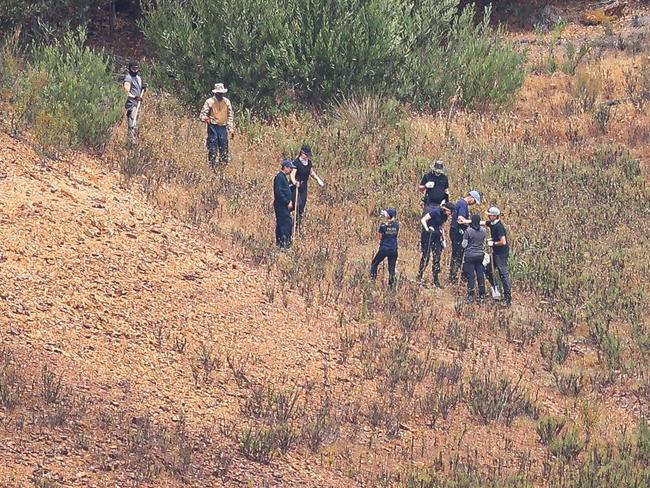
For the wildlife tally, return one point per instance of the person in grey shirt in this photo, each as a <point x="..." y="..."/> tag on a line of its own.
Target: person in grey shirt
<point x="134" y="89"/>
<point x="473" y="269"/>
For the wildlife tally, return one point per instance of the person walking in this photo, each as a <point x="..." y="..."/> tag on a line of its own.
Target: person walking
<point x="474" y="245"/>
<point x="218" y="114"/>
<point x="500" y="253"/>
<point x="388" y="230"/>
<point x="134" y="88"/>
<point x="300" y="178"/>
<point x="283" y="205"/>
<point x="435" y="186"/>
<point x="432" y="240"/>
<point x="459" y="222"/>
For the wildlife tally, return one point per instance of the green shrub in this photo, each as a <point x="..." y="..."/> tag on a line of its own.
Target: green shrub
<point x="567" y="446"/>
<point x="69" y="95"/>
<point x="498" y="398"/>
<point x="419" y="50"/>
<point x="549" y="427"/>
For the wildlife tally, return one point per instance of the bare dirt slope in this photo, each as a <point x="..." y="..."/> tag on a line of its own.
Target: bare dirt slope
<point x="99" y="287"/>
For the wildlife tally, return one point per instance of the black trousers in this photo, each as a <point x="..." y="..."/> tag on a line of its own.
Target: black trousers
<point x="392" y="262"/>
<point x="457" y="252"/>
<point x="474" y="272"/>
<point x="501" y="266"/>
<point x="302" y="201"/>
<point x="283" y="226"/>
<point x="431" y="247"/>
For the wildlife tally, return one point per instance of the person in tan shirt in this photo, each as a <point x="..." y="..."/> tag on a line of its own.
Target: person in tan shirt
<point x="217" y="113"/>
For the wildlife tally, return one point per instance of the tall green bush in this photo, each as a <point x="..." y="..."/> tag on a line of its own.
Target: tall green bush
<point x="316" y="50"/>
<point x="69" y="95"/>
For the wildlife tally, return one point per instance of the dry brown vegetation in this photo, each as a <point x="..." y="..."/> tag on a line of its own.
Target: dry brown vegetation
<point x="162" y="340"/>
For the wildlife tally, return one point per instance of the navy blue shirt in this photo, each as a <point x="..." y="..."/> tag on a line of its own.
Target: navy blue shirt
<point x="462" y="210"/>
<point x="302" y="171"/>
<point x="281" y="190"/>
<point x="438" y="193"/>
<point x="497" y="231"/>
<point x="437" y="217"/>
<point x="389" y="232"/>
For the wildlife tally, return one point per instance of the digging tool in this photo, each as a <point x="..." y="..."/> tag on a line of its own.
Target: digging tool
<point x="136" y="110"/>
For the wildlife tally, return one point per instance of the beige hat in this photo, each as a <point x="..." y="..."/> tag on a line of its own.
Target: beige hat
<point x="219" y="88"/>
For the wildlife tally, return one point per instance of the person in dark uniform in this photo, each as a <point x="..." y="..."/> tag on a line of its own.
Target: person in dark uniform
<point x="300" y="178"/>
<point x="473" y="269"/>
<point x="388" y="231"/>
<point x="283" y="205"/>
<point x="435" y="186"/>
<point x="500" y="252"/>
<point x="459" y="222"/>
<point x="432" y="239"/>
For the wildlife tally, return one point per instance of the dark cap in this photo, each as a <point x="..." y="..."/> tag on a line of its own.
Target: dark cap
<point x="133" y="64"/>
<point x="451" y="206"/>
<point x="306" y="149"/>
<point x="287" y="163"/>
<point x="392" y="213"/>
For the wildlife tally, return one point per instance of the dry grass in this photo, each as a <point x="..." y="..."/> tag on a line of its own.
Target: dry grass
<point x="427" y="391"/>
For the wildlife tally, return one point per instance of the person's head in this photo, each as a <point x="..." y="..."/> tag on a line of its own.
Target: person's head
<point x="219" y="90"/>
<point x="287" y="166"/>
<point x="305" y="152"/>
<point x="134" y="67"/>
<point x="389" y="213"/>
<point x="448" y="208"/>
<point x="473" y="197"/>
<point x="493" y="213"/>
<point x="476" y="222"/>
<point x="438" y="168"/>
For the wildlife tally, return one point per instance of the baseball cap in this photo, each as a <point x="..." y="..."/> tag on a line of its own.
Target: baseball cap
<point x="494" y="211"/>
<point x="476" y="196"/>
<point x="451" y="206"/>
<point x="306" y="149"/>
<point x="438" y="166"/>
<point x="392" y="213"/>
<point x="288" y="164"/>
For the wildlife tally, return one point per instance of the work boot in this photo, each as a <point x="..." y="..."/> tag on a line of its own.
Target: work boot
<point x="470" y="298"/>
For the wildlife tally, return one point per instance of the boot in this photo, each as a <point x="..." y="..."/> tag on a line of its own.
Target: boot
<point x="470" y="297"/>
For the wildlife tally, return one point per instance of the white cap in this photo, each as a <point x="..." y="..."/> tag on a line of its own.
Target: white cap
<point x="494" y="211"/>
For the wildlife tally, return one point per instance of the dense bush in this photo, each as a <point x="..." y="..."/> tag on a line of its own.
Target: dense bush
<point x="68" y="94"/>
<point x="420" y="51"/>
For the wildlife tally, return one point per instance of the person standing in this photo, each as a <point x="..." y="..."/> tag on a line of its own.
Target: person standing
<point x="217" y="113"/>
<point x="134" y="88"/>
<point x="300" y="178"/>
<point x="432" y="239"/>
<point x="283" y="205"/>
<point x="388" y="231"/>
<point x="474" y="245"/>
<point x="435" y="186"/>
<point x="500" y="252"/>
<point x="459" y="222"/>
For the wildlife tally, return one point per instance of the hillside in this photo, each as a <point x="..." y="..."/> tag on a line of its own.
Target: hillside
<point x="100" y="289"/>
<point x="153" y="335"/>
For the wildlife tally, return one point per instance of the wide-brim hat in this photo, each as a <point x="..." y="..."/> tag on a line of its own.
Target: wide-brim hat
<point x="219" y="88"/>
<point x="439" y="166"/>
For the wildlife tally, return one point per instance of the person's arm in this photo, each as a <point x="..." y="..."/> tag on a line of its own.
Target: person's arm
<point x="203" y="115"/>
<point x="465" y="240"/>
<point x="313" y="174"/>
<point x="230" y="123"/>
<point x="464" y="220"/>
<point x="127" y="89"/>
<point x="292" y="177"/>
<point x="425" y="221"/>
